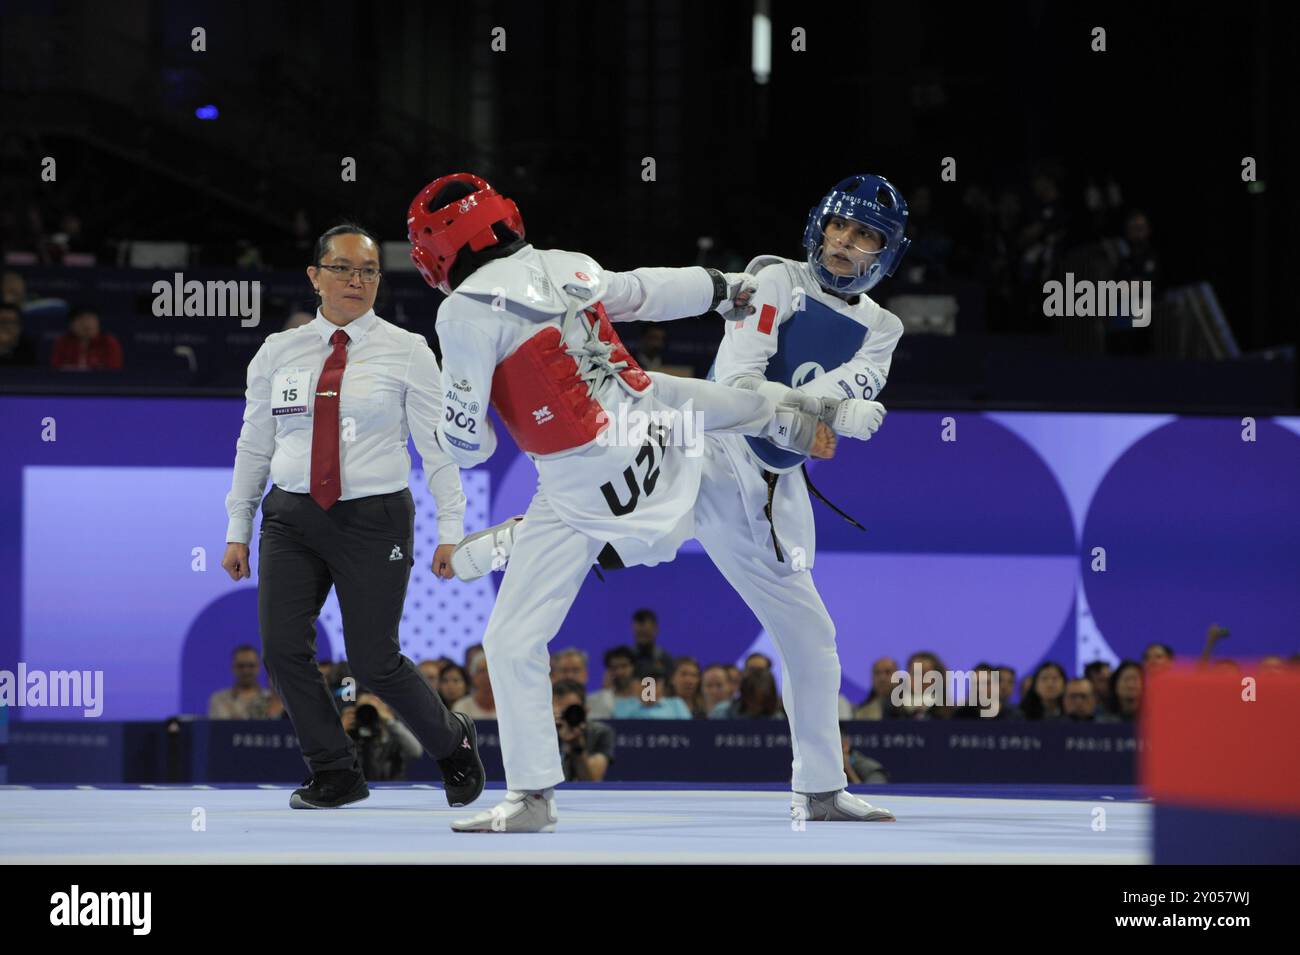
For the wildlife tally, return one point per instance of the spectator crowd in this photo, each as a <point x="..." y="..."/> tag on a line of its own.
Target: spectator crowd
<point x="641" y="680"/>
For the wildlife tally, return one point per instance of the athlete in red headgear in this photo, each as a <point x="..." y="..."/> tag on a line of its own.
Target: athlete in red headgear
<point x="529" y="331"/>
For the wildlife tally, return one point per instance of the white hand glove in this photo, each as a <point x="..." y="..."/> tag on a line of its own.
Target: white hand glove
<point x="741" y="287"/>
<point x="858" y="418"/>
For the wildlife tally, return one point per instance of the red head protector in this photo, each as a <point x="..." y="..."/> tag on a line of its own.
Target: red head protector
<point x="450" y="213"/>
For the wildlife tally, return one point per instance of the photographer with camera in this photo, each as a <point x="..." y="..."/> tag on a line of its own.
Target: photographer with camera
<point x="586" y="746"/>
<point x="383" y="744"/>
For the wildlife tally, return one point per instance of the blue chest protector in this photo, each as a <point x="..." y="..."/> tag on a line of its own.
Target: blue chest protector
<point x="808" y="343"/>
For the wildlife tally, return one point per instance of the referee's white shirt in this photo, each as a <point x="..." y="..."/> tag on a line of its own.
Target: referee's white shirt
<point x="391" y="390"/>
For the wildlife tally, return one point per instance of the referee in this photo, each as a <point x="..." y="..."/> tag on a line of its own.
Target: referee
<point x="330" y="405"/>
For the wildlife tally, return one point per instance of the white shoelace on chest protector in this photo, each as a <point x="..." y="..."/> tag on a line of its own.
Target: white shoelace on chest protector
<point x="593" y="356"/>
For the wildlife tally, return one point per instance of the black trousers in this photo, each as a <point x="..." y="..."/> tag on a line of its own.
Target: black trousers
<point x="363" y="548"/>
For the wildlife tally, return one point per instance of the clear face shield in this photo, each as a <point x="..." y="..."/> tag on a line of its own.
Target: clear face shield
<point x="850" y="250"/>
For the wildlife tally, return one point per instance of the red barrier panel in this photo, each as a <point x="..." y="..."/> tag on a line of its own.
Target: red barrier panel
<point x="1222" y="738"/>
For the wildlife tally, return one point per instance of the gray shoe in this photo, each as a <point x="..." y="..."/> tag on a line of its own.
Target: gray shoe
<point x="531" y="811"/>
<point x="839" y="806"/>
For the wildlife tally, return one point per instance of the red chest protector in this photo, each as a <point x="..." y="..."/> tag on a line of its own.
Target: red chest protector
<point x="541" y="399"/>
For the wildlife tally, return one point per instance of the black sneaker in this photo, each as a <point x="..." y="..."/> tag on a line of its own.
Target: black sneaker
<point x="330" y="789"/>
<point x="463" y="777"/>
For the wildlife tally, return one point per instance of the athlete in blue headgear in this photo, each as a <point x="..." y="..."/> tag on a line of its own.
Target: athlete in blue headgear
<point x="812" y="339"/>
<point x="812" y="335"/>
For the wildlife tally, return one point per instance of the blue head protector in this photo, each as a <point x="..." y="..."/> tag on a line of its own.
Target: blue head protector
<point x="871" y="201"/>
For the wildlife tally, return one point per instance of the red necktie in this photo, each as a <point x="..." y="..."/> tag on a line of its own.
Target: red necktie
<point x="326" y="482"/>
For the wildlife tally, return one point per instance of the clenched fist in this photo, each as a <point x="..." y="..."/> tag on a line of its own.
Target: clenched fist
<point x="235" y="561"/>
<point x="441" y="565"/>
<point x="735" y="291"/>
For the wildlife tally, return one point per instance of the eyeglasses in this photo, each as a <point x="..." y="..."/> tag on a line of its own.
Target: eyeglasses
<point x="368" y="275"/>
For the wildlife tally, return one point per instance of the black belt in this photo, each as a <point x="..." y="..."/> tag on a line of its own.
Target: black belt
<point x="822" y="497"/>
<point x="770" y="479"/>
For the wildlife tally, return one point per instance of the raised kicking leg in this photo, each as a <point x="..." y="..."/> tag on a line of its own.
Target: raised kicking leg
<point x="721" y="410"/>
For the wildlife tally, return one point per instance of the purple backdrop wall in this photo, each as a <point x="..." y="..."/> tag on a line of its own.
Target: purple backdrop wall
<point x="977" y="548"/>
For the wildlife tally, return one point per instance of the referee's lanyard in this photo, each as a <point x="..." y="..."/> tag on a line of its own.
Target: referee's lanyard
<point x="326" y="480"/>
